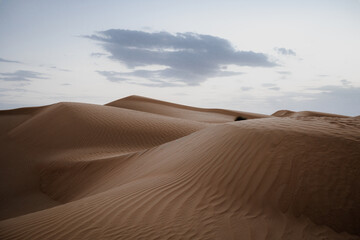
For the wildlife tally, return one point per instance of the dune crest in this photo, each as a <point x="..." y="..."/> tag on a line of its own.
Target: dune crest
<point x="140" y="168"/>
<point x="288" y="113"/>
<point x="144" y="104"/>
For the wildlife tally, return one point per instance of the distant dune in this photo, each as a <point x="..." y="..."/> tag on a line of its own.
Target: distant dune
<point x="140" y="168"/>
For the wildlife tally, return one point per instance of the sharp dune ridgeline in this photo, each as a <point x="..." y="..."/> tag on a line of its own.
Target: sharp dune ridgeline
<point x="140" y="168"/>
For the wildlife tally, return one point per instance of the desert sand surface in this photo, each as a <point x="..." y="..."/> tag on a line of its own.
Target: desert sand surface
<point x="140" y="168"/>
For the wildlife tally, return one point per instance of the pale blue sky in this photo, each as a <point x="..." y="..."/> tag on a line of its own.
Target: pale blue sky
<point x="258" y="56"/>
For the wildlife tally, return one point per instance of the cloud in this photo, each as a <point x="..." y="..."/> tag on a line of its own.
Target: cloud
<point x="8" y="61"/>
<point x="12" y="90"/>
<point x="21" y="75"/>
<point x="345" y="83"/>
<point x="269" y="85"/>
<point x="60" y="69"/>
<point x="284" y="72"/>
<point x="274" y="88"/>
<point x="96" y="54"/>
<point x="246" y="88"/>
<point x="285" y="51"/>
<point x="151" y="76"/>
<point x="188" y="58"/>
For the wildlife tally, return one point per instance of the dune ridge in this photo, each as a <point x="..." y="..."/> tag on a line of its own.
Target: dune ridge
<point x="288" y="113"/>
<point x="181" y="111"/>
<point x="111" y="172"/>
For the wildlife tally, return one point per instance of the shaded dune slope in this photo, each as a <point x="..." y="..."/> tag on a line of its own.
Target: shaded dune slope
<point x="270" y="178"/>
<point x="11" y="118"/>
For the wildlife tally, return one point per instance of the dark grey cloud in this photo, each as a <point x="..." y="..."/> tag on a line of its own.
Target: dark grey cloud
<point x="189" y="58"/>
<point x="8" y="61"/>
<point x="21" y="75"/>
<point x="285" y="51"/>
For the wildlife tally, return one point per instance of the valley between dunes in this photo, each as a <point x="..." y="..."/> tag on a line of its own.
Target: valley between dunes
<point x="140" y="168"/>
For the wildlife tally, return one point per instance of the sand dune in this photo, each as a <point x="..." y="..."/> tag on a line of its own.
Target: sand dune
<point x="140" y="168"/>
<point x="63" y="133"/>
<point x="181" y="111"/>
<point x="287" y="113"/>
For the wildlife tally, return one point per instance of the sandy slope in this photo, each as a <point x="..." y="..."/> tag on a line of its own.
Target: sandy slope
<point x="64" y="133"/>
<point x="180" y="111"/>
<point x="116" y="173"/>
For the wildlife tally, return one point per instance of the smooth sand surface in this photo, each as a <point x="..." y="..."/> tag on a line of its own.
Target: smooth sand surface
<point x="139" y="168"/>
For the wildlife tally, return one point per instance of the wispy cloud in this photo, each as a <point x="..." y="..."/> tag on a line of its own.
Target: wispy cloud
<point x="96" y="54"/>
<point x="246" y="88"/>
<point x="346" y="83"/>
<point x="60" y="69"/>
<point x="284" y="51"/>
<point x="271" y="86"/>
<point x="284" y="72"/>
<point x="8" y="61"/>
<point x="150" y="76"/>
<point x="274" y="88"/>
<point x="52" y="67"/>
<point x="188" y="58"/>
<point x="268" y="85"/>
<point x="21" y="75"/>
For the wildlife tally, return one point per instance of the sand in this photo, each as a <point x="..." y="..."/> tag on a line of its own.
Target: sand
<point x="139" y="168"/>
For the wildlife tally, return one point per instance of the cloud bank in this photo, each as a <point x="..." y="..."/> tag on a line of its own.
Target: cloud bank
<point x="188" y="58"/>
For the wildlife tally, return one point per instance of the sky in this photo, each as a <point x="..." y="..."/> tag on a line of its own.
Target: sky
<point x="256" y="56"/>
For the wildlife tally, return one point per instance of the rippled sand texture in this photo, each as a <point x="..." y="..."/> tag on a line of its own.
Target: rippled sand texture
<point x="139" y="168"/>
